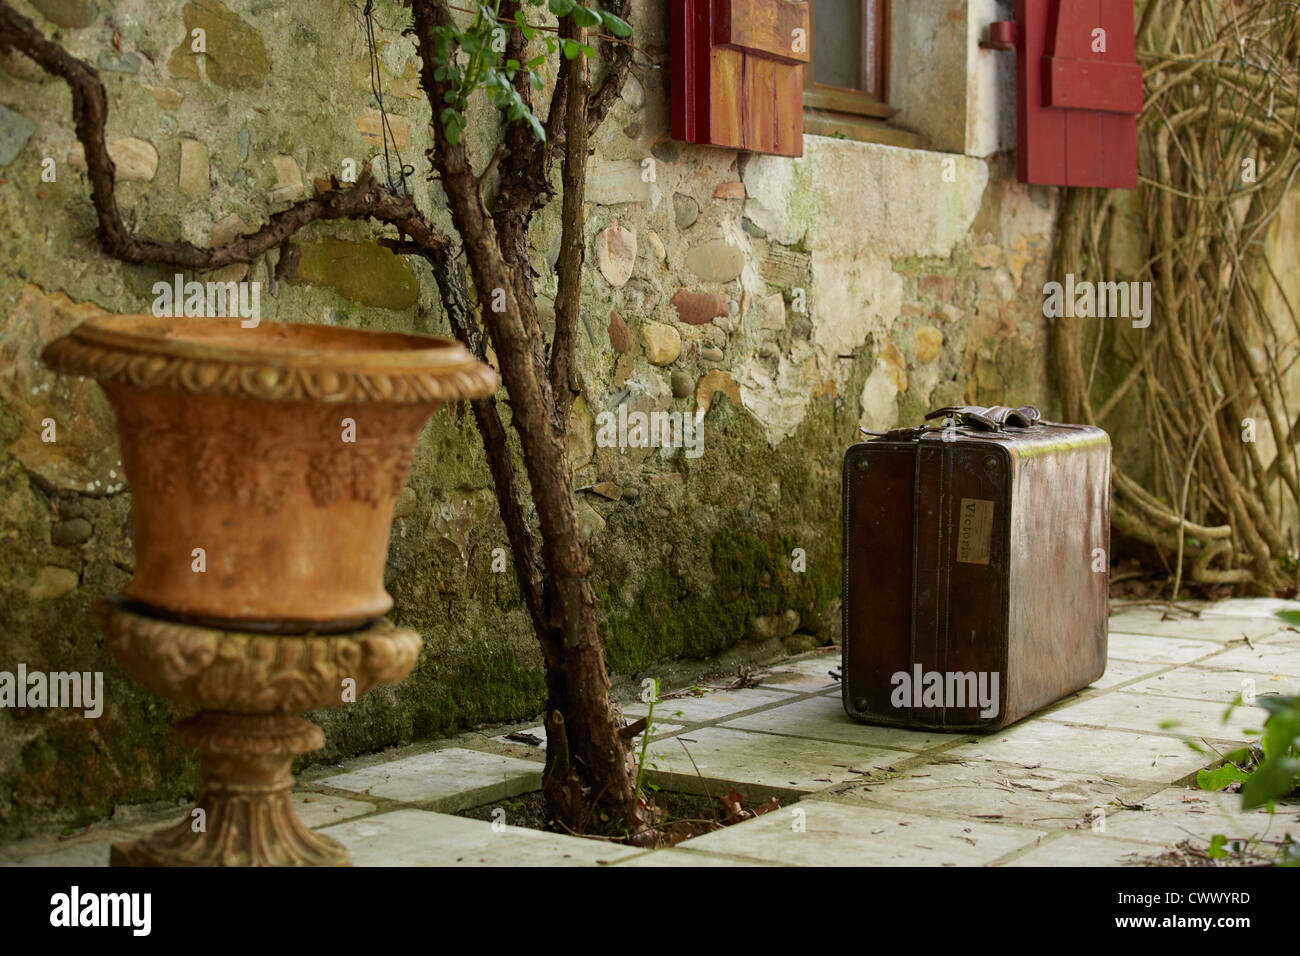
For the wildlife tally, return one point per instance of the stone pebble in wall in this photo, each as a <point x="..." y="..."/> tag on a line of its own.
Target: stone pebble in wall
<point x="616" y="254"/>
<point x="663" y="343"/>
<point x="134" y="159"/>
<point x="288" y="179"/>
<point x="15" y="130"/>
<point x="699" y="308"/>
<point x="364" y="272"/>
<point x="716" y="261"/>
<point x="67" y="13"/>
<point x="194" y="177"/>
<point x="685" y="211"/>
<point x="620" y="336"/>
<point x="927" y="343"/>
<point x="234" y="54"/>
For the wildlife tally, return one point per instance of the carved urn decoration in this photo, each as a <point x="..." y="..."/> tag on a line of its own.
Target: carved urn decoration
<point x="264" y="466"/>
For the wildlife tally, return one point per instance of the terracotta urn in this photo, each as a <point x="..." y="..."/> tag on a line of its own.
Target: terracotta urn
<point x="264" y="466"/>
<point x="265" y="462"/>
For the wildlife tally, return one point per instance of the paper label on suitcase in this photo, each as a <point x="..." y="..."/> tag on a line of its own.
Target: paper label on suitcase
<point x="974" y="531"/>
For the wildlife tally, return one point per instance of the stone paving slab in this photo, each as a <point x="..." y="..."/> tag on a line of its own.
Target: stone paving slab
<point x="674" y="857"/>
<point x="1206" y="683"/>
<point x="1154" y="714"/>
<point x="1111" y="753"/>
<point x="424" y="838"/>
<point x="823" y="718"/>
<point x="91" y="847"/>
<point x="810" y="674"/>
<point x="987" y="792"/>
<point x="1148" y="649"/>
<point x="1121" y="672"/>
<point x="714" y="705"/>
<point x="1272" y="659"/>
<point x="1264" y="608"/>
<point x="837" y="834"/>
<point x="1208" y="627"/>
<point x="1178" y="814"/>
<point x="448" y="780"/>
<point x="761" y="765"/>
<point x="1083" y="848"/>
<point x="658" y="730"/>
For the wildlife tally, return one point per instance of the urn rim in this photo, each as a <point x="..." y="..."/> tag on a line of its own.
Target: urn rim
<point x="272" y="360"/>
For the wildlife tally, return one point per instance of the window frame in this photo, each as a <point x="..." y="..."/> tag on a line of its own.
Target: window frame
<point x="855" y="114"/>
<point x="861" y="102"/>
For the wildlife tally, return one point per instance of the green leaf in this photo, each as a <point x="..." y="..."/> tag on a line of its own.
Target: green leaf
<point x="1289" y="617"/>
<point x="536" y="125"/>
<point x="1276" y="777"/>
<point x="616" y="26"/>
<point x="1279" y="705"/>
<point x="537" y="82"/>
<point x="1216" y="850"/>
<point x="561" y="8"/>
<point x="571" y="49"/>
<point x="585" y="16"/>
<point x="1220" y="777"/>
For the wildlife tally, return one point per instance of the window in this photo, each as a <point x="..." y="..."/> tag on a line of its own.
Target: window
<point x="846" y="86"/>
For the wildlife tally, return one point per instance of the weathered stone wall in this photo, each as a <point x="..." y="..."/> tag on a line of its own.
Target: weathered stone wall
<point x="792" y="300"/>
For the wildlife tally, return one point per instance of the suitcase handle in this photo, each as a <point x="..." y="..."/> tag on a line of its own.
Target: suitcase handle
<point x="992" y="419"/>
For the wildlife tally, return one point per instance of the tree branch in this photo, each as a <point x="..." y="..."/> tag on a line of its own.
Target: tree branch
<point x="619" y="58"/>
<point x="365" y="200"/>
<point x="568" y="299"/>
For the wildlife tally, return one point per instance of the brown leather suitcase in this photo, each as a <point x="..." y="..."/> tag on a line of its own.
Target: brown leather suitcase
<point x="976" y="569"/>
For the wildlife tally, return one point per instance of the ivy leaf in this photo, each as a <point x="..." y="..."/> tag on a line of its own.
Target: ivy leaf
<point x="585" y="16"/>
<point x="571" y="49"/>
<point x="537" y="82"/>
<point x="1216" y="850"/>
<point x="536" y="125"/>
<point x="561" y="8"/>
<point x="1220" y="777"/>
<point x="616" y="26"/>
<point x="1275" y="778"/>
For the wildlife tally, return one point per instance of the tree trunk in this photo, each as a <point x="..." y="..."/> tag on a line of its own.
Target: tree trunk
<point x="590" y="777"/>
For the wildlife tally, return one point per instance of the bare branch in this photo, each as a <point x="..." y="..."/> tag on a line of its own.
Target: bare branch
<point x="365" y="200"/>
<point x="619" y="58"/>
<point x="568" y="300"/>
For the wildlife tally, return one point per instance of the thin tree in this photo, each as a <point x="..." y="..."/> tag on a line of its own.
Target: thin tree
<point x="590" y="776"/>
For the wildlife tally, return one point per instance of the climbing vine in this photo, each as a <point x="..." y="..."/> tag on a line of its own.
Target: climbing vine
<point x="1206" y="474"/>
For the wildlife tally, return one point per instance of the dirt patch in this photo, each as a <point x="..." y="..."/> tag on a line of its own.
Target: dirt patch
<point x="684" y="815"/>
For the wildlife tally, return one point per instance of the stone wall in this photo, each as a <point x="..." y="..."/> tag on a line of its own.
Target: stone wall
<point x="791" y="300"/>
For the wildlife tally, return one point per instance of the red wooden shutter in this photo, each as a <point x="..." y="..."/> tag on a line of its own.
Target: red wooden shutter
<point x="1078" y="108"/>
<point x="738" y="73"/>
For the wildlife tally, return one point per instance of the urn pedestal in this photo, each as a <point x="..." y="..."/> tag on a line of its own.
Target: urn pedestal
<point x="250" y="689"/>
<point x="264" y="465"/>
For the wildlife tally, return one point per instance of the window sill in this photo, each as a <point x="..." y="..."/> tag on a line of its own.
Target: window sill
<point x="843" y="126"/>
